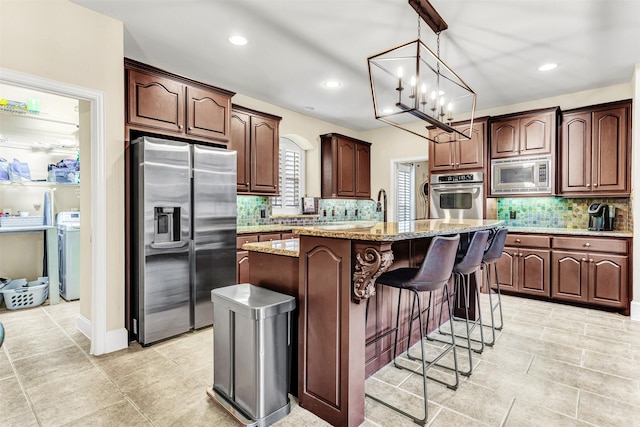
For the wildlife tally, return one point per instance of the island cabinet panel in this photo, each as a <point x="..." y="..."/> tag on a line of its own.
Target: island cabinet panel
<point x="530" y="133"/>
<point x="595" y="150"/>
<point x="345" y="167"/>
<point x="155" y="101"/>
<point x="332" y="332"/>
<point x="450" y="153"/>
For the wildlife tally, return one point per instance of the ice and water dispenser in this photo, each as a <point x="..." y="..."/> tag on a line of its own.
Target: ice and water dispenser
<point x="167" y="224"/>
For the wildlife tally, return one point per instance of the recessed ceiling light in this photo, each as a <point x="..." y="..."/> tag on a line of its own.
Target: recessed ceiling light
<point x="547" y="67"/>
<point x="237" y="40"/>
<point x="332" y="84"/>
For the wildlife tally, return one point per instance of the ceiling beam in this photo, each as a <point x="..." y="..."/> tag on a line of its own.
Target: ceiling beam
<point x="429" y="15"/>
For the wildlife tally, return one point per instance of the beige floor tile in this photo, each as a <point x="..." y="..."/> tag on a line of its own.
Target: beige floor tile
<point x="605" y="412"/>
<point x="534" y="346"/>
<point x="21" y="346"/>
<point x="600" y="345"/>
<point x="479" y="403"/>
<point x="392" y="375"/>
<point x="523" y="413"/>
<point x="171" y="392"/>
<point x="506" y="357"/>
<point x="380" y="415"/>
<point x="192" y="351"/>
<point x="119" y="414"/>
<point x="69" y="326"/>
<point x="614" y="334"/>
<point x="301" y="417"/>
<point x="26" y="325"/>
<point x="72" y="397"/>
<point x="398" y="397"/>
<point x="194" y="411"/>
<point x="205" y="375"/>
<point x="133" y="360"/>
<point x="590" y="317"/>
<point x="631" y="325"/>
<point x="622" y="367"/>
<point x="448" y="418"/>
<point x="6" y="370"/>
<point x="517" y="327"/>
<point x="62" y="310"/>
<point x="534" y="390"/>
<point x="51" y="366"/>
<point x="436" y="392"/>
<point x="538" y="321"/>
<point x="13" y="401"/>
<point x="20" y="420"/>
<point x="622" y="389"/>
<point x="23" y="314"/>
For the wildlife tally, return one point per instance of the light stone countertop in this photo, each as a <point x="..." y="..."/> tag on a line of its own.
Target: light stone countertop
<point x="570" y="231"/>
<point x="263" y="228"/>
<point x="289" y="247"/>
<point x="396" y="231"/>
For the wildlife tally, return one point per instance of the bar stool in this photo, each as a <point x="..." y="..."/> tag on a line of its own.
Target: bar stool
<point x="1" y="334"/>
<point x="491" y="257"/>
<point x="462" y="270"/>
<point x="433" y="275"/>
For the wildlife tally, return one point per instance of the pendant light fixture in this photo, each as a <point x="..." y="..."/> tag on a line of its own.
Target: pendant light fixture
<point x="410" y="83"/>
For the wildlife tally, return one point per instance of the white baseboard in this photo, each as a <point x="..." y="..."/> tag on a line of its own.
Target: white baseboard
<point x="635" y="310"/>
<point x="115" y="340"/>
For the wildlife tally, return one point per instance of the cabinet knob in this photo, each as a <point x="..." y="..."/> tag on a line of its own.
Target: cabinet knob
<point x="583" y="260"/>
<point x="588" y="185"/>
<point x="520" y="255"/>
<point x="595" y="185"/>
<point x="590" y="260"/>
<point x="587" y="244"/>
<point x="190" y="128"/>
<point x="517" y="240"/>
<point x="179" y="126"/>
<point x="457" y="164"/>
<point x="452" y="164"/>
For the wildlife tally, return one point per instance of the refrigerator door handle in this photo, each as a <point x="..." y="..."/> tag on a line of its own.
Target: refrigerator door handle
<point x="168" y="245"/>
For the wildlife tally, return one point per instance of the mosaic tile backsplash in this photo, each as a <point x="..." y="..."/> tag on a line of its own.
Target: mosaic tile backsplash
<point x="558" y="212"/>
<point x="256" y="210"/>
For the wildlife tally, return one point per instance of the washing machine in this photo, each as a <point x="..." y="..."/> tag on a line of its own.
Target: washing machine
<point x="69" y="254"/>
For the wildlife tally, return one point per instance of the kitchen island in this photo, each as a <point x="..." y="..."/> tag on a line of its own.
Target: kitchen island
<point x="339" y="306"/>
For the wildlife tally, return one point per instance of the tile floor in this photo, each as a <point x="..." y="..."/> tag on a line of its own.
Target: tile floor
<point x="553" y="365"/>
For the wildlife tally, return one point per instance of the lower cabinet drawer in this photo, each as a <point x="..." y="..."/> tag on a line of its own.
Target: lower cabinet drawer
<point x="591" y="244"/>
<point x="528" y="241"/>
<point x="268" y="237"/>
<point x="245" y="238"/>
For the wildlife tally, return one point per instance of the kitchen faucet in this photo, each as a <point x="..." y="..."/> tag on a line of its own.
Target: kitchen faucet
<point x="382" y="206"/>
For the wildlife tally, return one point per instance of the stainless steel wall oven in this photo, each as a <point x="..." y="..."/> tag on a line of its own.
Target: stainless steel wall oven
<point x="458" y="196"/>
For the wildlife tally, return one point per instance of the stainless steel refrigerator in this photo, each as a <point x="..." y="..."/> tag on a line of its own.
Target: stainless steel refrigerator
<point x="183" y="233"/>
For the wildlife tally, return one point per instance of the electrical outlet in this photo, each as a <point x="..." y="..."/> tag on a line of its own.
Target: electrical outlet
<point x="263" y="213"/>
<point x="345" y="212"/>
<point x="356" y="212"/>
<point x="333" y="212"/>
<point x="512" y="214"/>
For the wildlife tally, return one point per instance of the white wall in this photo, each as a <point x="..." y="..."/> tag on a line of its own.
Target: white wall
<point x="61" y="41"/>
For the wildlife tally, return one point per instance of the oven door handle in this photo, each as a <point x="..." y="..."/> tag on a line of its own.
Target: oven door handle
<point x="475" y="190"/>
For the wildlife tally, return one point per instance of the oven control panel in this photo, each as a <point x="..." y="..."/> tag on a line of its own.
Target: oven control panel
<point x="456" y="178"/>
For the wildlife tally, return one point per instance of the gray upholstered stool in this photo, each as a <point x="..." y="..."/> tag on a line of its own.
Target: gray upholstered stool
<point x="432" y="276"/>
<point x="490" y="259"/>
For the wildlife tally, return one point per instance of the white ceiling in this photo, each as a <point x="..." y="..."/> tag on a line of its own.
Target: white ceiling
<point x="294" y="46"/>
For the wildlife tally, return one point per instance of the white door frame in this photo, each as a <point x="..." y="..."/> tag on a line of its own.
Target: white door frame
<point x="98" y="193"/>
<point x="393" y="167"/>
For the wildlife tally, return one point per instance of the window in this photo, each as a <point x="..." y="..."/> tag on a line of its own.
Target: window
<point x="292" y="163"/>
<point x="405" y="192"/>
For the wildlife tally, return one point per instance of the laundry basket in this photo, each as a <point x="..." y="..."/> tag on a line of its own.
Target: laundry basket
<point x="22" y="294"/>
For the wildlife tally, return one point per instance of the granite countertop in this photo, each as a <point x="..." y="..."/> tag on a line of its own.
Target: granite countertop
<point x="263" y="228"/>
<point x="570" y="231"/>
<point x="395" y="231"/>
<point x="289" y="247"/>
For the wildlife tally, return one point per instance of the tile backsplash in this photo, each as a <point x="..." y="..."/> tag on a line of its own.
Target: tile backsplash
<point x="559" y="212"/>
<point x="256" y="210"/>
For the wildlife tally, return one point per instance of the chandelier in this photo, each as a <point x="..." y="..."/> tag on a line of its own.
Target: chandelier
<point x="410" y="83"/>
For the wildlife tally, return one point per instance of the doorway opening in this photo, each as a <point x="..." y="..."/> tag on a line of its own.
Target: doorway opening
<point x="410" y="186"/>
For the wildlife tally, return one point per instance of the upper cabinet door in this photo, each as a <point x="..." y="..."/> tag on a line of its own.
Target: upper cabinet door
<point x="469" y="153"/>
<point x="346" y="168"/>
<point x="208" y="114"/>
<point x="441" y="153"/>
<point x="239" y="141"/>
<point x="505" y="138"/>
<point x="155" y="102"/>
<point x="265" y="151"/>
<point x="363" y="168"/>
<point x="610" y="150"/>
<point x="575" y="153"/>
<point x="536" y="133"/>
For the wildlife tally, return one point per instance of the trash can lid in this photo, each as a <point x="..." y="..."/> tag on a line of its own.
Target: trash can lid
<point x="253" y="301"/>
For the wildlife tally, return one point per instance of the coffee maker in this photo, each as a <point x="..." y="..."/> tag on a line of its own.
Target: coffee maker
<point x="599" y="218"/>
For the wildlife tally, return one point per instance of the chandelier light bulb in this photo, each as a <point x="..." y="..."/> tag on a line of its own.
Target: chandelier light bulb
<point x="400" y="72"/>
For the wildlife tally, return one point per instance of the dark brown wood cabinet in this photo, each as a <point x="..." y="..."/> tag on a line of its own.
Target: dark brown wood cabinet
<point x="255" y="138"/>
<point x="595" y="151"/>
<point x="161" y="102"/>
<point x="345" y="167"/>
<point x="524" y="134"/>
<point x="525" y="265"/>
<point x="242" y="255"/>
<point x="591" y="270"/>
<point x="450" y="154"/>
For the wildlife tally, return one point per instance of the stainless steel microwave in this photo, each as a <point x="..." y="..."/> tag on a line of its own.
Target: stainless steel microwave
<point x="521" y="176"/>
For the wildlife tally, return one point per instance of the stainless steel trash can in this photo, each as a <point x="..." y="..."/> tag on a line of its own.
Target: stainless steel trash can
<point x="251" y="352"/>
